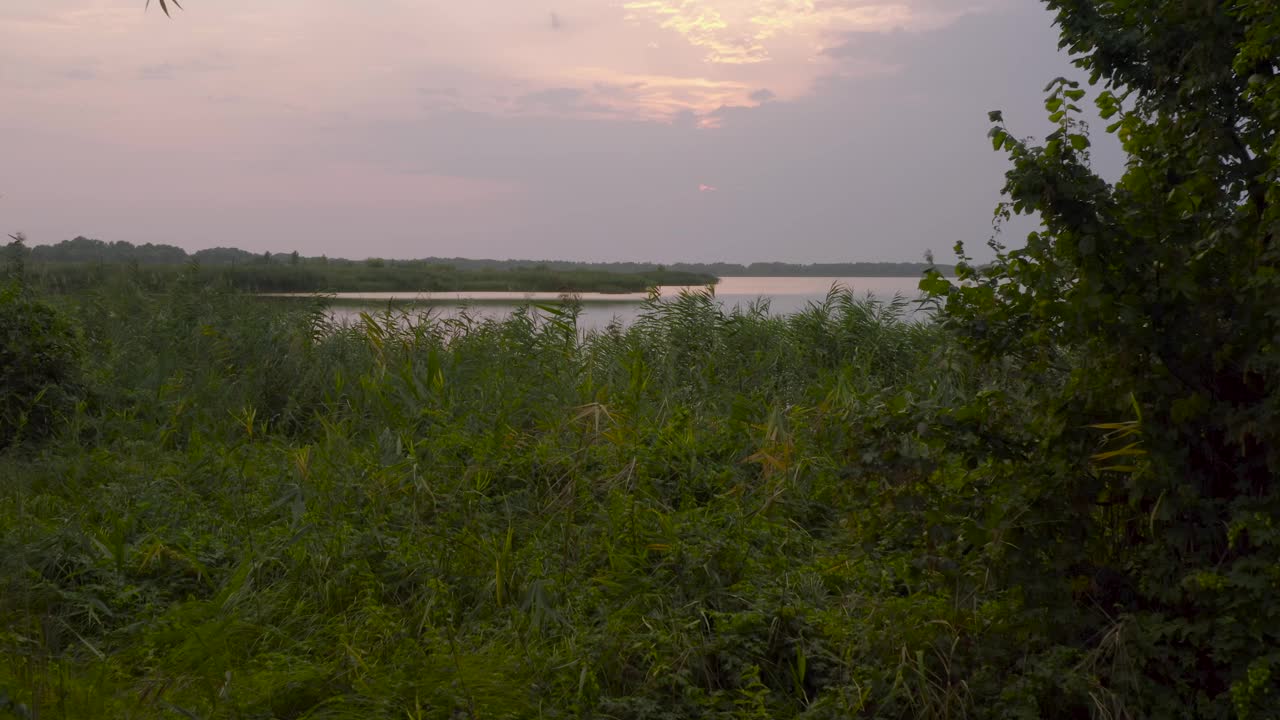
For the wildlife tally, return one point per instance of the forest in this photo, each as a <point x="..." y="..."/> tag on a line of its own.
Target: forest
<point x="1052" y="496"/>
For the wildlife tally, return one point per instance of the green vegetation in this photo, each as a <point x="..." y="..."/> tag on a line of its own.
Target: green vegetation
<point x="82" y="263"/>
<point x="850" y="269"/>
<point x="383" y="276"/>
<point x="718" y="269"/>
<point x="253" y="514"/>
<point x="39" y="365"/>
<point x="1056" y="499"/>
<point x="1147" y="310"/>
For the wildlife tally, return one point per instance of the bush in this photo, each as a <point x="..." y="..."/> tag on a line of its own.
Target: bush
<point x="40" y="362"/>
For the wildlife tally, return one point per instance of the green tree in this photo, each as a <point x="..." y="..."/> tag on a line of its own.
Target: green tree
<point x="82" y="249"/>
<point x="16" y="257"/>
<point x="1148" y="307"/>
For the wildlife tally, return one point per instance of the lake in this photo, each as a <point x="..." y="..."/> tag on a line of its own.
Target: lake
<point x="784" y="295"/>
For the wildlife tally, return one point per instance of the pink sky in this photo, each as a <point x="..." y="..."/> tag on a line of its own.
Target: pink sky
<point x="498" y="128"/>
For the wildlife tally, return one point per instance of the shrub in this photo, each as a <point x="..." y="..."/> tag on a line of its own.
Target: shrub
<point x="40" y="362"/>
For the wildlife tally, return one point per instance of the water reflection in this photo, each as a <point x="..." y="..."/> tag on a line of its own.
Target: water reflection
<point x="783" y="295"/>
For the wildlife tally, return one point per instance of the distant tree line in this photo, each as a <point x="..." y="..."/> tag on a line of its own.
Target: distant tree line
<point x="74" y="277"/>
<point x="83" y="263"/>
<point x="781" y="269"/>
<point x="87" y="250"/>
<point x="719" y="269"/>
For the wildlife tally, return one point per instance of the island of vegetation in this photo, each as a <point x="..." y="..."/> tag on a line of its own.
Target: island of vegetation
<point x="82" y="263"/>
<point x="1056" y="497"/>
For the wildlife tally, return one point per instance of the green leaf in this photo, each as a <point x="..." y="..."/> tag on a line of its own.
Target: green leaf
<point x="935" y="284"/>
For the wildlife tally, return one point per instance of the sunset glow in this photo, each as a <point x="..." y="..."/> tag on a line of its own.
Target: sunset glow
<point x="473" y="127"/>
<point x="640" y="59"/>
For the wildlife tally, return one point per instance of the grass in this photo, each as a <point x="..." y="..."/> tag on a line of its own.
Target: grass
<point x="254" y="514"/>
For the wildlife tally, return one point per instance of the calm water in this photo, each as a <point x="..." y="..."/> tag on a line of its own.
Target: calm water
<point x="784" y="295"/>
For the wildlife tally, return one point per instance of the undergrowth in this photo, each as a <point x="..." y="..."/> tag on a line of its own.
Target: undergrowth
<point x="252" y="512"/>
<point x="258" y="514"/>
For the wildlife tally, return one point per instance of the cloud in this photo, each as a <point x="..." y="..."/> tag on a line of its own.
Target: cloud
<point x="172" y="70"/>
<point x="159" y="71"/>
<point x="79" y="72"/>
<point x="598" y="92"/>
<point x="707" y="188"/>
<point x="784" y="44"/>
<point x="866" y="166"/>
<point x="755" y="31"/>
<point x="704" y="26"/>
<point x="659" y="58"/>
<point x="554" y="97"/>
<point x="563" y="101"/>
<point x="415" y="129"/>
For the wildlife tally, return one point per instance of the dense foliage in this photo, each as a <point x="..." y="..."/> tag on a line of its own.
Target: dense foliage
<point x="39" y="355"/>
<point x="1148" y="309"/>
<point x="39" y="358"/>
<point x="266" y="516"/>
<point x="1057" y="501"/>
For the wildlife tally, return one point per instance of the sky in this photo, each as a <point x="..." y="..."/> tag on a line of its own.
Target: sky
<point x="650" y="130"/>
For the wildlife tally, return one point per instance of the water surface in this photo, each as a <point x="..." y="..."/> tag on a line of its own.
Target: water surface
<point x="784" y="295"/>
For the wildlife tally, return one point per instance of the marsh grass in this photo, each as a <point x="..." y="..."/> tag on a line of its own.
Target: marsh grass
<point x="312" y="275"/>
<point x="255" y="513"/>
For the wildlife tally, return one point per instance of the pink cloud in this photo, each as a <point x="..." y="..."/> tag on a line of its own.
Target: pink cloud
<point x="657" y="60"/>
<point x="707" y="188"/>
